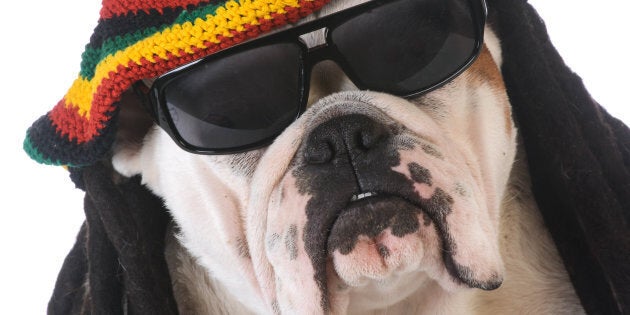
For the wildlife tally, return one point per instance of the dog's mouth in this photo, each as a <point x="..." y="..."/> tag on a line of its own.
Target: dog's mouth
<point x="364" y="195"/>
<point x="369" y="214"/>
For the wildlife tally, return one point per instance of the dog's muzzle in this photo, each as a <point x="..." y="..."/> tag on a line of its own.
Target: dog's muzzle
<point x="357" y="147"/>
<point x="361" y="209"/>
<point x="368" y="200"/>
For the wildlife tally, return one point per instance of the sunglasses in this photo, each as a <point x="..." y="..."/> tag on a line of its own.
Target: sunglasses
<point x="243" y="97"/>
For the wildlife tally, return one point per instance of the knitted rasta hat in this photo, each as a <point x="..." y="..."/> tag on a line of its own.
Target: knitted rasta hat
<point x="138" y="39"/>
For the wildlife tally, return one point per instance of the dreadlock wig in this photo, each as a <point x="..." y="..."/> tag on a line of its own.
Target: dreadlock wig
<point x="578" y="155"/>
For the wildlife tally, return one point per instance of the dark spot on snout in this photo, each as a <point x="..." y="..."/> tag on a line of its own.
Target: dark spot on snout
<point x="420" y="174"/>
<point x="276" y="307"/>
<point x="290" y="242"/>
<point x="243" y="249"/>
<point x="383" y="250"/>
<point x="272" y="240"/>
<point x="432" y="151"/>
<point x="461" y="190"/>
<point x="438" y="205"/>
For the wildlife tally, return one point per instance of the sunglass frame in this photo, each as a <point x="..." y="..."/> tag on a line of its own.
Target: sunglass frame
<point x="155" y="99"/>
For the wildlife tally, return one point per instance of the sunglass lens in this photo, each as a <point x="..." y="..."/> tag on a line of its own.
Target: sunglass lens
<point x="238" y="101"/>
<point x="407" y="45"/>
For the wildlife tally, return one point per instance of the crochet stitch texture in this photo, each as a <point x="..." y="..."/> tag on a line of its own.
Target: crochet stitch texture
<point x="137" y="39"/>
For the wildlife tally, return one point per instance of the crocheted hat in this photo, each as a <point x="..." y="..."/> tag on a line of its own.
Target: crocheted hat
<point x="137" y="39"/>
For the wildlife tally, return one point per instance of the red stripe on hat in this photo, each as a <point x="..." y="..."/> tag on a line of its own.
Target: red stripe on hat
<point x="71" y="125"/>
<point x="113" y="8"/>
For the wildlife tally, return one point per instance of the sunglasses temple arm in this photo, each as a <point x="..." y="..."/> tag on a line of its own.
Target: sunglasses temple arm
<point x="142" y="92"/>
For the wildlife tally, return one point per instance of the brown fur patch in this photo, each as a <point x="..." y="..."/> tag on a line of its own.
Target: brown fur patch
<point x="485" y="71"/>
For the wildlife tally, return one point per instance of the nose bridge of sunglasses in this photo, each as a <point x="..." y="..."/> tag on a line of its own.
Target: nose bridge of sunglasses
<point x="315" y="40"/>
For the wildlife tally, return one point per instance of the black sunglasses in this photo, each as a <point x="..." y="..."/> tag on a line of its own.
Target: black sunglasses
<point x="243" y="97"/>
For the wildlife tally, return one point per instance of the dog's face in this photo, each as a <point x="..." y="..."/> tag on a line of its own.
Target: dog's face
<point x="365" y="199"/>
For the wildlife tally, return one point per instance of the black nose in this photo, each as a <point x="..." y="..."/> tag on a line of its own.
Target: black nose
<point x="350" y="134"/>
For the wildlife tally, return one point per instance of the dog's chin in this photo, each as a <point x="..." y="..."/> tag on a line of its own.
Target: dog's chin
<point x="388" y="262"/>
<point x="363" y="251"/>
<point x="383" y="267"/>
<point x="395" y="256"/>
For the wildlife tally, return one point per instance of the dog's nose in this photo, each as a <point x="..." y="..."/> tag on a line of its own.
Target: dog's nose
<point x="352" y="134"/>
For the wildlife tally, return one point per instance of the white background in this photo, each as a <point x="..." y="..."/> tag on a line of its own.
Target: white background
<point x="40" y="54"/>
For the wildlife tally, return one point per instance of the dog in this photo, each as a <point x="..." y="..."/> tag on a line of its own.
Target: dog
<point x="436" y="217"/>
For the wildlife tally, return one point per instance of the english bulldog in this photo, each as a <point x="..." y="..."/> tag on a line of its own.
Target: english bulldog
<point x="370" y="202"/>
